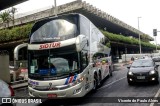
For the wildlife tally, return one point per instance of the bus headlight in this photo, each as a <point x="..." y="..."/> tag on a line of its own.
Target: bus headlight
<point x="152" y="72"/>
<point x="77" y="90"/>
<point x="130" y="73"/>
<point x="81" y="79"/>
<point x="78" y="81"/>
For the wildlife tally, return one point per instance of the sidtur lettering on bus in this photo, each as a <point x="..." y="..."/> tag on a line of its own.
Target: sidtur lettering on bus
<point x="50" y="45"/>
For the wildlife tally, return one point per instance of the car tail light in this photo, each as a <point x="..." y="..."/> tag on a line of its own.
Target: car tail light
<point x="11" y="90"/>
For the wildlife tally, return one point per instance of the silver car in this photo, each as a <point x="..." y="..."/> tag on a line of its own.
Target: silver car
<point x="5" y="89"/>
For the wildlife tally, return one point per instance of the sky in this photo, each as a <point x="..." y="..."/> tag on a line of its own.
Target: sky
<point x="127" y="11"/>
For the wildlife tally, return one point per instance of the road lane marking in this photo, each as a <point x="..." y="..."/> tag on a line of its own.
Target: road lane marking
<point x="158" y="92"/>
<point x="110" y="83"/>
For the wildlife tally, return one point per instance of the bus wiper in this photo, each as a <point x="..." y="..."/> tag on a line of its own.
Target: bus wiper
<point x="135" y="66"/>
<point x="70" y="73"/>
<point x="143" y="66"/>
<point x="35" y="75"/>
<point x="63" y="74"/>
<point x="146" y="66"/>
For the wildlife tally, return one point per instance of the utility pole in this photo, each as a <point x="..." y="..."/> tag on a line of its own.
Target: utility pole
<point x="156" y="43"/>
<point x="155" y="34"/>
<point x="55" y="7"/>
<point x="139" y="37"/>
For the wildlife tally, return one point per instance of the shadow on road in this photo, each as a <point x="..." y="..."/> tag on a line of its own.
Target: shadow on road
<point x="144" y="84"/>
<point x="67" y="102"/>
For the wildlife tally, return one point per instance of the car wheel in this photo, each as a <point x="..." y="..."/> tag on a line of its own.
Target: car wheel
<point x="130" y="83"/>
<point x="157" y="81"/>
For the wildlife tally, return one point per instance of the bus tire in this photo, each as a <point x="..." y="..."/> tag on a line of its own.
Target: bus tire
<point x="100" y="79"/>
<point x="95" y="83"/>
<point x="110" y="72"/>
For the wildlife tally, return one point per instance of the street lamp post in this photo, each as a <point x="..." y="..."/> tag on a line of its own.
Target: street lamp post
<point x="139" y="37"/>
<point x="55" y="7"/>
<point x="156" y="43"/>
<point x="155" y="34"/>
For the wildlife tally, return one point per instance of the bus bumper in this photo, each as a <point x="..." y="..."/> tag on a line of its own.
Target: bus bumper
<point x="78" y="90"/>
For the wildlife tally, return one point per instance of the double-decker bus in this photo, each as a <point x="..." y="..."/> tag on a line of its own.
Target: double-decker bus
<point x="67" y="57"/>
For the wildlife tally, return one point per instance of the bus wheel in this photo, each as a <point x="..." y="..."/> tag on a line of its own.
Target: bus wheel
<point x="110" y="72"/>
<point x="100" y="79"/>
<point x="95" y="83"/>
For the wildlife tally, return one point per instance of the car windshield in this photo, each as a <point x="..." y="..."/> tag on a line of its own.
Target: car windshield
<point x="142" y="63"/>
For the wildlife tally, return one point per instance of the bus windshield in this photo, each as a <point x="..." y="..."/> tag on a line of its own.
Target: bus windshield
<point x="54" y="30"/>
<point x="43" y="64"/>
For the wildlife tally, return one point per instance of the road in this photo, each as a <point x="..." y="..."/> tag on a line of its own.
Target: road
<point x="115" y="86"/>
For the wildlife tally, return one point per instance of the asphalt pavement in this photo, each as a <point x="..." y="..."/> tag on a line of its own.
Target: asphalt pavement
<point x="114" y="89"/>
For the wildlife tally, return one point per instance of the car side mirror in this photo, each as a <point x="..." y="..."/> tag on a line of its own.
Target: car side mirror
<point x="157" y="66"/>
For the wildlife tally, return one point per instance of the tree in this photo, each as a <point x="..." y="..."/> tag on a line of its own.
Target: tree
<point x="0" y="20"/>
<point x="5" y="17"/>
<point x="13" y="11"/>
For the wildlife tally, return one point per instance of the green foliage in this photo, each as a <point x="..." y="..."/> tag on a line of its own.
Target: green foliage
<point x="124" y="39"/>
<point x="15" y="33"/>
<point x="5" y="17"/>
<point x="146" y="38"/>
<point x="21" y="32"/>
<point x="108" y="44"/>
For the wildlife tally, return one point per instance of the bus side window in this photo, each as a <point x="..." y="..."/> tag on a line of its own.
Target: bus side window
<point x="34" y="63"/>
<point x="84" y="57"/>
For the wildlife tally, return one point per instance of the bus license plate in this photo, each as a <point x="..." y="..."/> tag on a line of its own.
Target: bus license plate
<point x="140" y="77"/>
<point x="51" y="95"/>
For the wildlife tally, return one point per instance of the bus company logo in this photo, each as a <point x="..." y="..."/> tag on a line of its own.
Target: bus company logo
<point x="50" y="86"/>
<point x="33" y="82"/>
<point x="71" y="79"/>
<point x="6" y="100"/>
<point x="33" y="86"/>
<point x="50" y="45"/>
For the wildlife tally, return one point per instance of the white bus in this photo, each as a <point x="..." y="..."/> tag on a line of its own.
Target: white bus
<point x="67" y="57"/>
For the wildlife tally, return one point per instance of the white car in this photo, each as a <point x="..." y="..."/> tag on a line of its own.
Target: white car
<point x="5" y="89"/>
